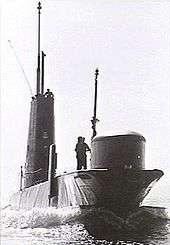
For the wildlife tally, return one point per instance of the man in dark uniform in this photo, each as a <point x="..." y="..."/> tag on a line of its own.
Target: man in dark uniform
<point x="49" y="93"/>
<point x="81" y="148"/>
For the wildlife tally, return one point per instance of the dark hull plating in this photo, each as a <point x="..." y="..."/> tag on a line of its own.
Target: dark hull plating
<point x="120" y="192"/>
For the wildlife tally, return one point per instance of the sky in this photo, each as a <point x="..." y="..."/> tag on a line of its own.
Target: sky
<point x="129" y="42"/>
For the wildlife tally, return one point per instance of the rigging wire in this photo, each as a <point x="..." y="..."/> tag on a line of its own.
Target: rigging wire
<point x="22" y="69"/>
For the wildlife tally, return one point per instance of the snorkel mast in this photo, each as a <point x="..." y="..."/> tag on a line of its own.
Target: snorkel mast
<point x="94" y="118"/>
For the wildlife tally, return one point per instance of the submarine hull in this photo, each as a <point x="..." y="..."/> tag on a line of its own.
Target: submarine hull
<point x="120" y="192"/>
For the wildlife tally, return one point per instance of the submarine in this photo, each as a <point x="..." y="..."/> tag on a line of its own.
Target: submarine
<point x="116" y="180"/>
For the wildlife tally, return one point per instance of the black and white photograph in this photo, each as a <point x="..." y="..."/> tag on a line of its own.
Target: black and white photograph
<point x="85" y="122"/>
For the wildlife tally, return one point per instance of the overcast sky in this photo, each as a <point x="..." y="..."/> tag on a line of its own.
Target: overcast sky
<point x="129" y="41"/>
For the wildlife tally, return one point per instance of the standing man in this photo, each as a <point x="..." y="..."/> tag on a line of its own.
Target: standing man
<point x="81" y="148"/>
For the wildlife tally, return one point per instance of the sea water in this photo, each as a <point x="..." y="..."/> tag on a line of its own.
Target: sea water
<point x="93" y="226"/>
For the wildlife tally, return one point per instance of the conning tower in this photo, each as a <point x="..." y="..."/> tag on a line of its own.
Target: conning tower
<point x="41" y="127"/>
<point x="125" y="150"/>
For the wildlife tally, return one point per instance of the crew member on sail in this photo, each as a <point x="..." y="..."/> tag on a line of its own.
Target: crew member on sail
<point x="81" y="148"/>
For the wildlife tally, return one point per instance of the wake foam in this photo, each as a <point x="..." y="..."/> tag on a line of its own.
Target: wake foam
<point x="38" y="217"/>
<point x="49" y="217"/>
<point x="88" y="226"/>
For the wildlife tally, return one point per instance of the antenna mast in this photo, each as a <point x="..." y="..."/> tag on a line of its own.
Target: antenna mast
<point x="94" y="119"/>
<point x="38" y="67"/>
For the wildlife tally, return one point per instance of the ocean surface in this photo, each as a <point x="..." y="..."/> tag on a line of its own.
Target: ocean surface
<point x="150" y="225"/>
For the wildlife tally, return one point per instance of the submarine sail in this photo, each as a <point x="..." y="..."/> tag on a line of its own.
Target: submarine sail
<point x="41" y="127"/>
